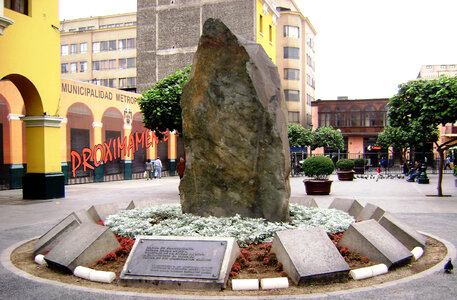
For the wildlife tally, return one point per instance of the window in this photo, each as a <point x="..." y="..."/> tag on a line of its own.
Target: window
<point x="340" y="117"/>
<point x="370" y="116"/>
<point x="83" y="66"/>
<point x="324" y="117"/>
<point x="356" y="117"/>
<point x="291" y="52"/>
<point x="131" y="62"/>
<point x="63" y="68"/>
<point x="96" y="65"/>
<point x="122" y="44"/>
<point x="294" y="117"/>
<point x="291" y="31"/>
<point x="64" y="50"/>
<point x="122" y="63"/>
<point x="261" y="24"/>
<point x="127" y="82"/>
<point x="130" y="43"/>
<point x="72" y="30"/>
<point x="96" y="81"/>
<point x="20" y="6"/>
<point x="131" y="81"/>
<point x="104" y="46"/>
<point x="73" y="48"/>
<point x="292" y="95"/>
<point x="73" y="67"/>
<point x="428" y="66"/>
<point x="103" y="65"/>
<point x="270" y="33"/>
<point x="83" y="48"/>
<point x="112" y="45"/>
<point x="107" y="82"/>
<point x="90" y="27"/>
<point x="112" y="64"/>
<point x="95" y="47"/>
<point x="292" y="74"/>
<point x="81" y="28"/>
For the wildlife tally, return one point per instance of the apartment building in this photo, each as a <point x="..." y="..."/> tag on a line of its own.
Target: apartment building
<point x="295" y="58"/>
<point x="100" y="50"/>
<point x="435" y="71"/>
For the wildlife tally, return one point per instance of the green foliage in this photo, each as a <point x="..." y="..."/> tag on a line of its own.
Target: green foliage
<point x="360" y="162"/>
<point x="299" y="136"/>
<point x="328" y="137"/>
<point x="455" y="171"/>
<point x="319" y="167"/>
<point x="160" y="104"/>
<point x="345" y="164"/>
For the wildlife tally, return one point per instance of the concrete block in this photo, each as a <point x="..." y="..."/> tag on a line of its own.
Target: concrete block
<point x="54" y="235"/>
<point x="101" y="212"/>
<point x="84" y="246"/>
<point x="350" y="206"/>
<point x="407" y="235"/>
<point x="308" y="256"/>
<point x="370" y="239"/>
<point x="140" y="204"/>
<point x="308" y="202"/>
<point x="370" y="211"/>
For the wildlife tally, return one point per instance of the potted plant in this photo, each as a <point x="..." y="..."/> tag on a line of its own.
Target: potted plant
<point x="345" y="169"/>
<point x="359" y="166"/>
<point x="319" y="168"/>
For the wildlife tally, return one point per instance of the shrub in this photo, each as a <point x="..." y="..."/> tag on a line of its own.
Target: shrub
<point x="345" y="164"/>
<point x="360" y="162"/>
<point x="455" y="171"/>
<point x="319" y="167"/>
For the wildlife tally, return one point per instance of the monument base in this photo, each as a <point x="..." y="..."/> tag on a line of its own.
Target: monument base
<point x="43" y="186"/>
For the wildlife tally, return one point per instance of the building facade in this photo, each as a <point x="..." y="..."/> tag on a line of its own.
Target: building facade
<point x="295" y="58"/>
<point x="169" y="31"/>
<point x="435" y="71"/>
<point x="100" y="50"/>
<point x="359" y="120"/>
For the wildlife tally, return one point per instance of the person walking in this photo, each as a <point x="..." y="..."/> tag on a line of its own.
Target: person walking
<point x="181" y="167"/>
<point x="158" y="168"/>
<point x="148" y="169"/>
<point x="378" y="170"/>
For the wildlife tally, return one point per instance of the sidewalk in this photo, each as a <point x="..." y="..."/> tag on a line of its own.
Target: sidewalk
<point x="24" y="219"/>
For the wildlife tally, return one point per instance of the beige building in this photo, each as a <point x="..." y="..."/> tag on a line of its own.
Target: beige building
<point x="295" y="58"/>
<point x="100" y="50"/>
<point x="435" y="71"/>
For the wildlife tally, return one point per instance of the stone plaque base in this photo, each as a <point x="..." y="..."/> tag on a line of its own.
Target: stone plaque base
<point x="180" y="262"/>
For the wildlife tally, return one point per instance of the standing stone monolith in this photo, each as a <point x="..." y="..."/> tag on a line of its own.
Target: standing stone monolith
<point x="235" y="130"/>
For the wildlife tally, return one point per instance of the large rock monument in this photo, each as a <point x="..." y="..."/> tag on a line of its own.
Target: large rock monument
<point x="235" y="130"/>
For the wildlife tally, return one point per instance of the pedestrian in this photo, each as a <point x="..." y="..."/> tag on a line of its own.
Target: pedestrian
<point x="448" y="163"/>
<point x="148" y="169"/>
<point x="378" y="170"/>
<point x="157" y="168"/>
<point x="405" y="168"/>
<point x="181" y="167"/>
<point x="414" y="172"/>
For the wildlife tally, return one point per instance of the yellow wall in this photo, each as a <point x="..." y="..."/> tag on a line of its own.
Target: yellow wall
<point x="30" y="48"/>
<point x="263" y="32"/>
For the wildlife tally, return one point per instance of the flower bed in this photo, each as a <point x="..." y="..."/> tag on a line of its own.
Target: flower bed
<point x="168" y="220"/>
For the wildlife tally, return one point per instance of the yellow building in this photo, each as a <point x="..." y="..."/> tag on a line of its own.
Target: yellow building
<point x="267" y="17"/>
<point x="30" y="60"/>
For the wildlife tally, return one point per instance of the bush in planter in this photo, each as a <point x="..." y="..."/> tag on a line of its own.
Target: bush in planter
<point x="345" y="164"/>
<point x="319" y="167"/>
<point x="359" y="162"/>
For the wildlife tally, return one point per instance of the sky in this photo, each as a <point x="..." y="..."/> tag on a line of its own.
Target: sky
<point x="364" y="48"/>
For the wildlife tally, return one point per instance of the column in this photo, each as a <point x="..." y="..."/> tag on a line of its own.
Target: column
<point x="63" y="148"/>
<point x="128" y="170"/>
<point x="99" y="172"/>
<point x="44" y="178"/>
<point x="17" y="170"/>
<point x="172" y="152"/>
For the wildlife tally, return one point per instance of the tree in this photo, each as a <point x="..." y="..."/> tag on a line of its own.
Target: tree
<point x="328" y="137"/>
<point x="420" y="106"/>
<point x="299" y="136"/>
<point x="160" y="104"/>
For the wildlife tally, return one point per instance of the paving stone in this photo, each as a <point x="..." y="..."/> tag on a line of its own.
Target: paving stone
<point x="309" y="256"/>
<point x="180" y="262"/>
<point x="83" y="246"/>
<point x="52" y="237"/>
<point x="370" y="211"/>
<point x="407" y="235"/>
<point x="350" y="206"/>
<point x="370" y="239"/>
<point x="101" y="212"/>
<point x="140" y="204"/>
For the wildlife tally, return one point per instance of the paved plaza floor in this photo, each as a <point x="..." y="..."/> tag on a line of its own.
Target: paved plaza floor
<point x="416" y="204"/>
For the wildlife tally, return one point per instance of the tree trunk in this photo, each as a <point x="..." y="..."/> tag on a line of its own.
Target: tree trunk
<point x="440" y="171"/>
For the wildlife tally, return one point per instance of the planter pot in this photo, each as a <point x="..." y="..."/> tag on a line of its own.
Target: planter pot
<point x="317" y="187"/>
<point x="345" y="175"/>
<point x="359" y="170"/>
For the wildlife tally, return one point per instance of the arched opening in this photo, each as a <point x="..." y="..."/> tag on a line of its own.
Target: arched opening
<point x="139" y="158"/>
<point x="31" y="97"/>
<point x="113" y="123"/>
<point x="80" y="133"/>
<point x="356" y="117"/>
